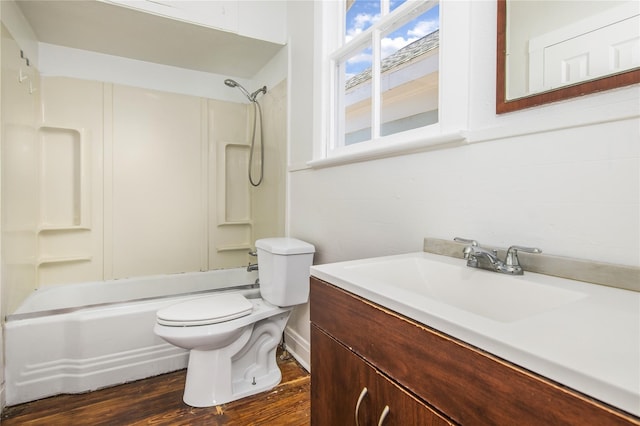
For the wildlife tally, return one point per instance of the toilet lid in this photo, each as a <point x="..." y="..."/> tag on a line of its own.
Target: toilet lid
<point x="205" y="310"/>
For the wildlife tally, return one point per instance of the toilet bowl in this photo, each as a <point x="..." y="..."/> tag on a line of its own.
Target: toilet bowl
<point x="233" y="339"/>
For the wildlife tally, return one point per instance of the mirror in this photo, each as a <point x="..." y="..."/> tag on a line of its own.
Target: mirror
<point x="554" y="50"/>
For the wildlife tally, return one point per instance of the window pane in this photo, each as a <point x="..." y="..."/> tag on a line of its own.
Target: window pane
<point x="356" y="95"/>
<point x="409" y="74"/>
<point x="360" y="15"/>
<point x="393" y="4"/>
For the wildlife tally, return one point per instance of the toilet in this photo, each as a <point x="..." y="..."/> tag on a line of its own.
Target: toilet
<point x="232" y="339"/>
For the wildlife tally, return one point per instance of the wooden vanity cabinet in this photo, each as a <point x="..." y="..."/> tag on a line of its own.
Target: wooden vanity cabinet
<point x="425" y="377"/>
<point x="346" y="387"/>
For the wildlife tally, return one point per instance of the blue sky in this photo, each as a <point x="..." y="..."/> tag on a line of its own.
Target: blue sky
<point x="365" y="12"/>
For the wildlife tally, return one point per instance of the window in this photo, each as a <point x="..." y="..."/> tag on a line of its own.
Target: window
<point x="386" y="71"/>
<point x="381" y="91"/>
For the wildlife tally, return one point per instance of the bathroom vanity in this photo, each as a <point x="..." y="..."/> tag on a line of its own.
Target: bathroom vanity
<point x="372" y="365"/>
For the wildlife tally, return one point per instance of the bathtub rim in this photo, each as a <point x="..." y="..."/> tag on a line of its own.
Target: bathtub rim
<point x="147" y="289"/>
<point x="72" y="309"/>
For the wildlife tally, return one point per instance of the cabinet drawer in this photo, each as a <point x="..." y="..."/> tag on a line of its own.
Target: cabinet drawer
<point x="344" y="387"/>
<point x="468" y="385"/>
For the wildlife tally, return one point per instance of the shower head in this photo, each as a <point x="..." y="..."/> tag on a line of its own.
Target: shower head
<point x="251" y="96"/>
<point x="231" y="83"/>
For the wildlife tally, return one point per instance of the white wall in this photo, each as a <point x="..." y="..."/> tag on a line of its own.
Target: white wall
<point x="63" y="61"/>
<point x="20" y="30"/>
<point x="3" y="397"/>
<point x="562" y="177"/>
<point x="248" y="18"/>
<point x="300" y="19"/>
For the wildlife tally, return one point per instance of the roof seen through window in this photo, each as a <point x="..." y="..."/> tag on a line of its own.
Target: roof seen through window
<point x="363" y="13"/>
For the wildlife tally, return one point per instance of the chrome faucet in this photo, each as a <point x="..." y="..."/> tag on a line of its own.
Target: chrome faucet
<point x="479" y="257"/>
<point x="252" y="266"/>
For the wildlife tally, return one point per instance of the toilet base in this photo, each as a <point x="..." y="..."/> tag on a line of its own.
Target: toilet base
<point x="246" y="367"/>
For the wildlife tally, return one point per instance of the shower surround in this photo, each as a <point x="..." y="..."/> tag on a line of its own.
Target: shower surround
<point x="133" y="182"/>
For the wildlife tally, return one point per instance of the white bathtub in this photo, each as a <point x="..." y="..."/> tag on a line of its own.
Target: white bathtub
<point x="81" y="337"/>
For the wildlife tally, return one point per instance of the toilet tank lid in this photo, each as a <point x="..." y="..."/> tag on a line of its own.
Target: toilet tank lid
<point x="285" y="246"/>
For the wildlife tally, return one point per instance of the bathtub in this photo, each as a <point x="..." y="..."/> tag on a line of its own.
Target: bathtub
<point x="81" y="337"/>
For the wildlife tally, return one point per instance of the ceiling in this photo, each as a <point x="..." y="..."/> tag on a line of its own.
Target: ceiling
<point x="120" y="31"/>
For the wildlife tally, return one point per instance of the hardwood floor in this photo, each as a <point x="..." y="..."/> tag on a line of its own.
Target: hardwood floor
<point x="158" y="401"/>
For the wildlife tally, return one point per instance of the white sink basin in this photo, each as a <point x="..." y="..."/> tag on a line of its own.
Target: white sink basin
<point x="492" y="295"/>
<point x="582" y="335"/>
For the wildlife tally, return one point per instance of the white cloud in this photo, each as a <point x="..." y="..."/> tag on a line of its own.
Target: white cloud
<point x="360" y="22"/>
<point x="364" y="19"/>
<point x="423" y="28"/>
<point x="390" y="45"/>
<point x="359" y="58"/>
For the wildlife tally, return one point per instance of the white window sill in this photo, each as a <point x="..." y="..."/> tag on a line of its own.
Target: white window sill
<point x="388" y="147"/>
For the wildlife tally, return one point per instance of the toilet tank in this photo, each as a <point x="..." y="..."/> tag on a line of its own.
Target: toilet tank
<point x="283" y="268"/>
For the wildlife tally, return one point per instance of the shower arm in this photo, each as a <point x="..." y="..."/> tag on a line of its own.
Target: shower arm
<point x="253" y="96"/>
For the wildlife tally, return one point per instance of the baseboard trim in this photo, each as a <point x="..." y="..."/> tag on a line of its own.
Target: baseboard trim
<point x="298" y="347"/>
<point x="3" y="398"/>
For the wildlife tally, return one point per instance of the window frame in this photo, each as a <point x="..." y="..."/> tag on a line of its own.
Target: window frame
<point x="329" y="147"/>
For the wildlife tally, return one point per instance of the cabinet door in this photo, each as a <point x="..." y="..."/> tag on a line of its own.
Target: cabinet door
<point x="402" y="408"/>
<point x="337" y="378"/>
<point x="344" y="386"/>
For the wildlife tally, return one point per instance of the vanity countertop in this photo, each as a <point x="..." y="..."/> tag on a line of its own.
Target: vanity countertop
<point x="590" y="342"/>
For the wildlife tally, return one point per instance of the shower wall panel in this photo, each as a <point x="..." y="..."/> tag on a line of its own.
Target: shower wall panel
<point x="159" y="179"/>
<point x="102" y="181"/>
<point x="70" y="237"/>
<point x="269" y="199"/>
<point x="230" y="221"/>
<point x="236" y="205"/>
<point x="19" y="170"/>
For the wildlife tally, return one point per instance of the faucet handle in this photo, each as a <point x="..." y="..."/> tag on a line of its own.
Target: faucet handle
<point x="474" y="243"/>
<point x="512" y="254"/>
<point x="467" y="251"/>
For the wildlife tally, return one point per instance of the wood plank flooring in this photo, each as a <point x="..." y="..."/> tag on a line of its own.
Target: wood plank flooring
<point x="158" y="401"/>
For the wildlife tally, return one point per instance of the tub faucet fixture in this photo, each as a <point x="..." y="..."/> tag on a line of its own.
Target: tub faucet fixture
<point x="253" y="266"/>
<point x="480" y="257"/>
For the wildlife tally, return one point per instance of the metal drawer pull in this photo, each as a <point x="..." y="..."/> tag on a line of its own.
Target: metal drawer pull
<point x="383" y="416"/>
<point x="360" y="398"/>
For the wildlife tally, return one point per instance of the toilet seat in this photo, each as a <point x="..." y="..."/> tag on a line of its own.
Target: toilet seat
<point x="205" y="310"/>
